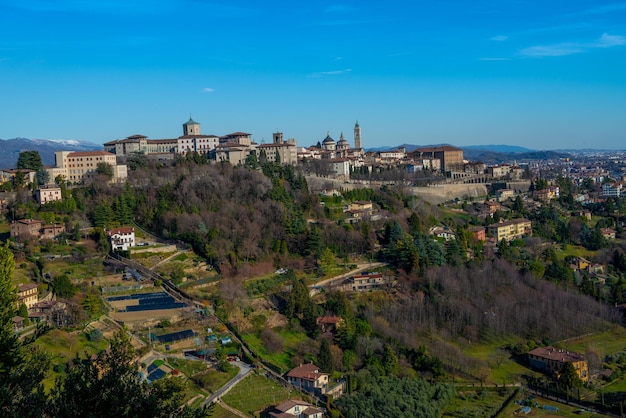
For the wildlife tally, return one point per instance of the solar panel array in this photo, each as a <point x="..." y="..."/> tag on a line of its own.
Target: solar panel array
<point x="156" y="375"/>
<point x="148" y="302"/>
<point x="175" y="336"/>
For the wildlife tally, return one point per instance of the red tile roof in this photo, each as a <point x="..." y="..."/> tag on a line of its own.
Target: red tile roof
<point x="551" y="353"/>
<point x="27" y="287"/>
<point x="88" y="154"/>
<point x="121" y="230"/>
<point x="272" y="145"/>
<point x="306" y="372"/>
<point x="28" y="221"/>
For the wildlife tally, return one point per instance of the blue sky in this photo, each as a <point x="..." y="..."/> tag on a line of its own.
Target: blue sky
<point x="544" y="75"/>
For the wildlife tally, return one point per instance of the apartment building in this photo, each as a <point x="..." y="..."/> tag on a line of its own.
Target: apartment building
<point x="510" y="230"/>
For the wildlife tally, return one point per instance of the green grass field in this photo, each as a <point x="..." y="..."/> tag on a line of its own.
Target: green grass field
<point x="256" y="393"/>
<point x="212" y="379"/>
<point x="502" y="369"/>
<point x="281" y="359"/>
<point x="575" y="251"/>
<point x="187" y="367"/>
<point x="603" y="343"/>
<point x="90" y="268"/>
<point x="617" y="386"/>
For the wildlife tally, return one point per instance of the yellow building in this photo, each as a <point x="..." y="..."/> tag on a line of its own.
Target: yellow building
<point x="27" y="295"/>
<point x="552" y="360"/>
<point x="510" y="230"/>
<point x="80" y="166"/>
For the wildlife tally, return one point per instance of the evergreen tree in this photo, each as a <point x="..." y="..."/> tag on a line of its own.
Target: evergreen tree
<point x="9" y="343"/>
<point x="63" y="287"/>
<point x="327" y="261"/>
<point x="415" y="225"/>
<point x="19" y="180"/>
<point x="390" y="360"/>
<point x="43" y="177"/>
<point x="22" y="366"/>
<point x="313" y="245"/>
<point x="569" y="378"/>
<point x="251" y="161"/>
<point x="29" y="160"/>
<point x="518" y="205"/>
<point x="325" y="357"/>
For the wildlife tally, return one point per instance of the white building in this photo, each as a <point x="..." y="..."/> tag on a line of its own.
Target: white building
<point x="612" y="189"/>
<point x="340" y="167"/>
<point x="48" y="195"/>
<point x="121" y="238"/>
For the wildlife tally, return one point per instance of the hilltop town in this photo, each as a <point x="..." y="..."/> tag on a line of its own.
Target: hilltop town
<point x="273" y="279"/>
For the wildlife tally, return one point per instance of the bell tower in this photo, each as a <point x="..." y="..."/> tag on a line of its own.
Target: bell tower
<point x="357" y="135"/>
<point x="191" y="127"/>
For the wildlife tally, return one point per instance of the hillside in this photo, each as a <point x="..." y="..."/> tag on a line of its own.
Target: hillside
<point x="270" y="258"/>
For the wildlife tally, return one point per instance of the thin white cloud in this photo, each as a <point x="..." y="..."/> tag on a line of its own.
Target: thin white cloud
<point x="331" y="73"/>
<point x="208" y="90"/>
<point x="607" y="41"/>
<point x="558" y="50"/>
<point x="336" y="72"/>
<point x="570" y="48"/>
<point x="499" y="38"/>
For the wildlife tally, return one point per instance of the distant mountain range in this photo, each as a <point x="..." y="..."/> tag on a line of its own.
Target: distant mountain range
<point x="10" y="149"/>
<point x="491" y="154"/>
<point x="469" y="148"/>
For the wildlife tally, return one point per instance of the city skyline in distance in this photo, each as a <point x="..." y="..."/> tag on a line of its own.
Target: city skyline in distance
<point x="529" y="74"/>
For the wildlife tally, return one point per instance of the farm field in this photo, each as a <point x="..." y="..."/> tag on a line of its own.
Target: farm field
<point x="256" y="392"/>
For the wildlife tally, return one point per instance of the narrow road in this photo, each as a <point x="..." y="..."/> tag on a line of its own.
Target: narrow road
<point x="360" y="268"/>
<point x="165" y="260"/>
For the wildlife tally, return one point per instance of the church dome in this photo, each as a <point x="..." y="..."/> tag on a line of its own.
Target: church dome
<point x="328" y="140"/>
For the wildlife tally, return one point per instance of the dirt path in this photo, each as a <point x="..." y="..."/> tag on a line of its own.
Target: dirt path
<point x="165" y="260"/>
<point x="231" y="409"/>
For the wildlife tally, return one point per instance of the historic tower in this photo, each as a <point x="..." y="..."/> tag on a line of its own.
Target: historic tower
<point x="191" y="127"/>
<point x="357" y="135"/>
<point x="277" y="137"/>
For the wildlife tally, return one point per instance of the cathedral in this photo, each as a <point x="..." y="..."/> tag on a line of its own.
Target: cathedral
<point x="341" y="148"/>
